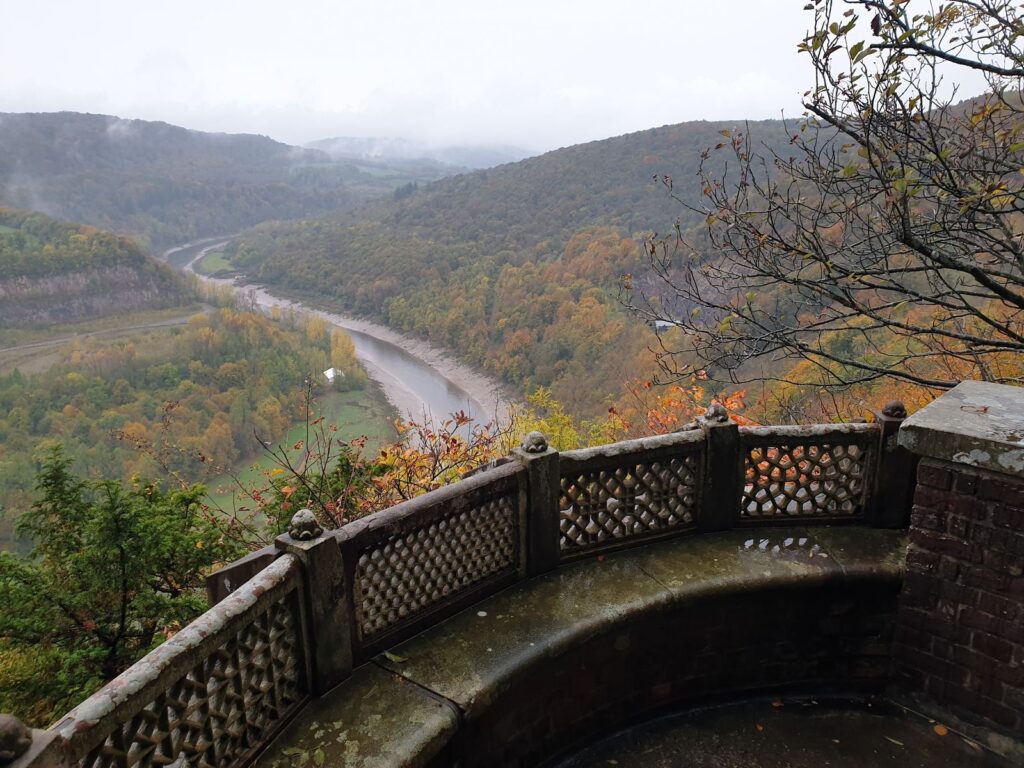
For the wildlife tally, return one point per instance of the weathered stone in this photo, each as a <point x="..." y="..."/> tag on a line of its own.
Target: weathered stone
<point x="975" y="423"/>
<point x="535" y="442"/>
<point x="304" y="526"/>
<point x="571" y="654"/>
<point x="540" y="513"/>
<point x="329" y="639"/>
<point x="468" y="658"/>
<point x="15" y="738"/>
<point x="226" y="580"/>
<point x="722" y="489"/>
<point x="254" y="634"/>
<point x="375" y="719"/>
<point x="716" y="414"/>
<point x="895" y="410"/>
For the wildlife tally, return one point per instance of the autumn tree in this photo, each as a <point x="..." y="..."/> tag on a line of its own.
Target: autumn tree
<point x="885" y="245"/>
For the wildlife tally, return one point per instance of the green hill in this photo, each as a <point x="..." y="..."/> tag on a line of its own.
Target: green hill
<point x="56" y="272"/>
<point x="169" y="185"/>
<point x="515" y="267"/>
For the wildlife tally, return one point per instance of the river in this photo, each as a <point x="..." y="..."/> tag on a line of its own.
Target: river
<point x="420" y="380"/>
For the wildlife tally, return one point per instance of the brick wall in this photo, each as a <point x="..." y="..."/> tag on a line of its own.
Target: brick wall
<point x="960" y="626"/>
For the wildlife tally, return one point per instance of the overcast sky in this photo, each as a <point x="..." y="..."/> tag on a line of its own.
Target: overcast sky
<point x="534" y="73"/>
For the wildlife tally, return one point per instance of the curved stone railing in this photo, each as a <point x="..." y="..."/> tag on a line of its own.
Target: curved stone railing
<point x="621" y="494"/>
<point x="823" y="472"/>
<point x="212" y="695"/>
<point x="420" y="561"/>
<point x="216" y="693"/>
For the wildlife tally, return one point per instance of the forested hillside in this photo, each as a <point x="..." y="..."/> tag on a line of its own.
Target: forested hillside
<point x="516" y="267"/>
<point x="191" y="398"/>
<point x="167" y="184"/>
<point x="56" y="272"/>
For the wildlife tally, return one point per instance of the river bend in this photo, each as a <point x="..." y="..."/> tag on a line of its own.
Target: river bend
<point x="418" y="379"/>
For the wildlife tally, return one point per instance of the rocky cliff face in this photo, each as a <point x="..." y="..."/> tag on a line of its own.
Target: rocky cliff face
<point x="83" y="295"/>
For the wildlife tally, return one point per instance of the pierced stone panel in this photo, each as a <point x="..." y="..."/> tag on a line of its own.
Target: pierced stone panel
<point x="804" y="480"/>
<point x="409" y="572"/>
<point x="222" y="708"/>
<point x="601" y="506"/>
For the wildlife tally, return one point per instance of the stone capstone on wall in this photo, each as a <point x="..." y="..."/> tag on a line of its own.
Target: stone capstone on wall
<point x="976" y="423"/>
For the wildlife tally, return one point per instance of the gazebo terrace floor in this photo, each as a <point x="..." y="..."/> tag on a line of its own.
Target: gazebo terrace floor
<point x="789" y="733"/>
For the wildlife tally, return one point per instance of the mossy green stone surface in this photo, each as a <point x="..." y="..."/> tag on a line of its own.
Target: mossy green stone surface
<point x="374" y="719"/>
<point x="471" y="657"/>
<point x="406" y="706"/>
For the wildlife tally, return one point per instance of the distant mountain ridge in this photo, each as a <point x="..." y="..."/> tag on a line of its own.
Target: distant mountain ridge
<point x="167" y="184"/>
<point x="515" y="268"/>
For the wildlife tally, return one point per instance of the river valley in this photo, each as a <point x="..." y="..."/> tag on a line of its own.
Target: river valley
<point x="420" y="380"/>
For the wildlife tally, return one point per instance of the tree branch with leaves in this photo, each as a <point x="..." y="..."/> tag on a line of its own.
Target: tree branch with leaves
<point x="886" y="244"/>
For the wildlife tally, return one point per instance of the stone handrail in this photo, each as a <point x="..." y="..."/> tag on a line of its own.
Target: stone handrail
<point x="409" y="566"/>
<point x="636" y="490"/>
<point x="216" y="693"/>
<point x="821" y="472"/>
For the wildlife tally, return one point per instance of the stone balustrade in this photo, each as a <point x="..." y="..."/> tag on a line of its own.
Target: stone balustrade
<point x="295" y="620"/>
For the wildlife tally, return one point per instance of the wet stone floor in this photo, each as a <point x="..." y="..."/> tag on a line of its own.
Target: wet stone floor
<point x="788" y="734"/>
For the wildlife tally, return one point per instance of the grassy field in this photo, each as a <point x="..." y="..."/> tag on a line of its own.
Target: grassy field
<point x="357" y="413"/>
<point x="10" y="337"/>
<point x="36" y="350"/>
<point x="214" y="264"/>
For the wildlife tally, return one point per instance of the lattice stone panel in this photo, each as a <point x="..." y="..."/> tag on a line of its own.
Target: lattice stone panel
<point x="604" y="505"/>
<point x="221" y="709"/>
<point x="797" y="480"/>
<point x="409" y="572"/>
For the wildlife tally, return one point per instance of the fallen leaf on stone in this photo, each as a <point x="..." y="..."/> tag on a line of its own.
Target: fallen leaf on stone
<point x="940" y="729"/>
<point x="394" y="657"/>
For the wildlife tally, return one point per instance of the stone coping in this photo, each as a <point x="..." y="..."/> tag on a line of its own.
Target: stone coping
<point x="976" y="423"/>
<point x="405" y="706"/>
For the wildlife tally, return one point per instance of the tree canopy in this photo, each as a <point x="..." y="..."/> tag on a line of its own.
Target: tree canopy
<point x="885" y="244"/>
<point x="114" y="566"/>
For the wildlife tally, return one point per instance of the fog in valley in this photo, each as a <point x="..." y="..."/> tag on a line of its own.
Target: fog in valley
<point x="533" y="75"/>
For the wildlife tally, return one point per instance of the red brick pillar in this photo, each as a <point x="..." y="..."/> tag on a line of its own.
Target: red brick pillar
<point x="960" y="625"/>
<point x="960" y="633"/>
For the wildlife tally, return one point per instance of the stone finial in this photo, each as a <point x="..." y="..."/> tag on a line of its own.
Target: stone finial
<point x="895" y="410"/>
<point x="15" y="739"/>
<point x="535" y="442"/>
<point x="716" y="414"/>
<point x="304" y="526"/>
